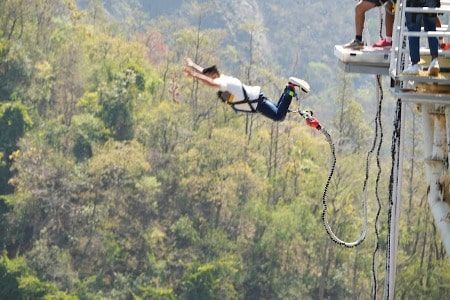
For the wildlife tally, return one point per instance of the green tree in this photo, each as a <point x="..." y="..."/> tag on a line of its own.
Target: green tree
<point x="14" y="120"/>
<point x="213" y="280"/>
<point x="121" y="209"/>
<point x="48" y="188"/>
<point x="117" y="101"/>
<point x="19" y="282"/>
<point x="87" y="131"/>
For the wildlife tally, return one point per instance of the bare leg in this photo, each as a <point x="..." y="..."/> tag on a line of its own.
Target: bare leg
<point x="360" y="15"/>
<point x="389" y="20"/>
<point x="439" y="24"/>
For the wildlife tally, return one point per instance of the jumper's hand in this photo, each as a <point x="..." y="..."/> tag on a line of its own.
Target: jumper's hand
<point x="189" y="62"/>
<point x="189" y="72"/>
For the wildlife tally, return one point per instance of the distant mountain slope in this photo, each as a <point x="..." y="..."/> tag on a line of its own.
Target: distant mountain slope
<point x="300" y="31"/>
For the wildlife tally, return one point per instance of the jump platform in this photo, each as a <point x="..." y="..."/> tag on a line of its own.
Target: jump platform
<point x="414" y="88"/>
<point x="368" y="60"/>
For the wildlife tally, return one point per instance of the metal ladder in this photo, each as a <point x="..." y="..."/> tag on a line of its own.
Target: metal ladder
<point x="399" y="56"/>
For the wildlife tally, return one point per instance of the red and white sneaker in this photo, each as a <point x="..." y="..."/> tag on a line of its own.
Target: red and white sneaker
<point x="301" y="84"/>
<point x="382" y="43"/>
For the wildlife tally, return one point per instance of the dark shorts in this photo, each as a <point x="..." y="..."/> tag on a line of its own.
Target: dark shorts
<point x="377" y="2"/>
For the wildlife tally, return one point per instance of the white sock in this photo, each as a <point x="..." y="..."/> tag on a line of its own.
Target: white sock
<point x="389" y="39"/>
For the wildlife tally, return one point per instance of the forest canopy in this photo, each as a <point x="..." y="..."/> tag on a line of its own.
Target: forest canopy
<point x="120" y="178"/>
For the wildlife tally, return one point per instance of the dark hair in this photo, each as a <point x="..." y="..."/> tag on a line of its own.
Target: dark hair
<point x="212" y="69"/>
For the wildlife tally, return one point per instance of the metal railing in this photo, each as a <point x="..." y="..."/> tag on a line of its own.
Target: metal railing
<point x="399" y="58"/>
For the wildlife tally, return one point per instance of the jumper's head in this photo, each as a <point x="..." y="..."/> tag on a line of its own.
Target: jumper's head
<point x="211" y="72"/>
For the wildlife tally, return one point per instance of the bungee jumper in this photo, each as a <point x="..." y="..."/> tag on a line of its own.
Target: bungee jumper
<point x="250" y="99"/>
<point x="245" y="98"/>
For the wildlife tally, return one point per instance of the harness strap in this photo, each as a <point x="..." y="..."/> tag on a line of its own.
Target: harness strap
<point x="245" y="101"/>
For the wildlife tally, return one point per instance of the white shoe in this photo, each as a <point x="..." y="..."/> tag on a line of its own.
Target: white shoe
<point x="303" y="85"/>
<point x="412" y="70"/>
<point x="354" y="45"/>
<point x="433" y="69"/>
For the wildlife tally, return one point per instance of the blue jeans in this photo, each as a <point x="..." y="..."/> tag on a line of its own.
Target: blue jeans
<point x="276" y="112"/>
<point x="414" y="22"/>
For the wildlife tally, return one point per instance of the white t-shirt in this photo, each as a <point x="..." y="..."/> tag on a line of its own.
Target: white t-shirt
<point x="234" y="86"/>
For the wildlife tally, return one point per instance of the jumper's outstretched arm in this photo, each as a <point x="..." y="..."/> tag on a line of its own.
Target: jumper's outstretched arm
<point x="203" y="78"/>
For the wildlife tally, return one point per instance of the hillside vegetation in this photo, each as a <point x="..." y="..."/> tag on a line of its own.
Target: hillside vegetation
<point x="120" y="178"/>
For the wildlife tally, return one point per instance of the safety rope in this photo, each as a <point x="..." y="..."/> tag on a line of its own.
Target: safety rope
<point x="381" y="21"/>
<point x="378" y="140"/>
<point x="395" y="166"/>
<point x="379" y="137"/>
<point x="326" y="224"/>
